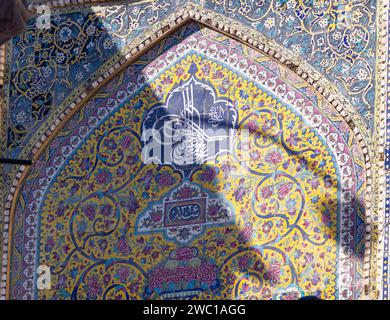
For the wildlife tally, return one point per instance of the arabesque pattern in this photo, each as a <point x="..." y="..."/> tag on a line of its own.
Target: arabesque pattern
<point x="335" y="37"/>
<point x="279" y="215"/>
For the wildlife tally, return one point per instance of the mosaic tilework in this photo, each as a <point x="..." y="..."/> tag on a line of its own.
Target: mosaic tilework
<point x="96" y="208"/>
<point x="47" y="65"/>
<point x="47" y="74"/>
<point x="336" y="37"/>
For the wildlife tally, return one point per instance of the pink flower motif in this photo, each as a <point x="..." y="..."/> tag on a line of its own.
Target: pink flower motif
<point x="103" y="176"/>
<point x="218" y="75"/>
<point x="90" y="212"/>
<point x="266" y="293"/>
<point x="259" y="266"/>
<point x="166" y="80"/>
<point x="267" y="227"/>
<point x="213" y="210"/>
<point x="245" y="288"/>
<point x="106" y="210"/>
<point x="252" y="126"/>
<point x="273" y="273"/>
<point x="291" y="296"/>
<point x="179" y="71"/>
<point x="185" y="193"/>
<point x="326" y="218"/>
<point x="93" y="288"/>
<point x="106" y="279"/>
<point x="165" y="179"/>
<point x="206" y="69"/>
<point x="131" y="159"/>
<point x="328" y="181"/>
<point x="267" y="192"/>
<point x="315" y="279"/>
<point x="255" y="156"/>
<point x="123" y="246"/>
<point x="226" y="169"/>
<point x="125" y="142"/>
<point x="156" y="215"/>
<point x="274" y="157"/>
<point x="243" y="262"/>
<point x="284" y="190"/>
<point x="309" y="257"/>
<point x="231" y="278"/>
<point x="208" y="175"/>
<point x="123" y="274"/>
<point x="315" y="183"/>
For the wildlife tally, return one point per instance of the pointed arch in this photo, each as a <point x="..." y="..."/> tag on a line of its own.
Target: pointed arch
<point x="160" y="31"/>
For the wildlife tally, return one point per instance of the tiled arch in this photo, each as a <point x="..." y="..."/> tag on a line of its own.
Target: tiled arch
<point x="222" y="25"/>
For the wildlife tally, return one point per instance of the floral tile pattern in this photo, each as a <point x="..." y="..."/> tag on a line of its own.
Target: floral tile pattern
<point x="280" y="221"/>
<point x="337" y="38"/>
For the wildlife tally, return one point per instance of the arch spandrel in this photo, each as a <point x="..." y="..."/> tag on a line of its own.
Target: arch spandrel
<point x="262" y="228"/>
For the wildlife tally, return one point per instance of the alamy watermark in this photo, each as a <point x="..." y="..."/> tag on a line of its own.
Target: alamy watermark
<point x="183" y="145"/>
<point x="44" y="278"/>
<point x="44" y="17"/>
